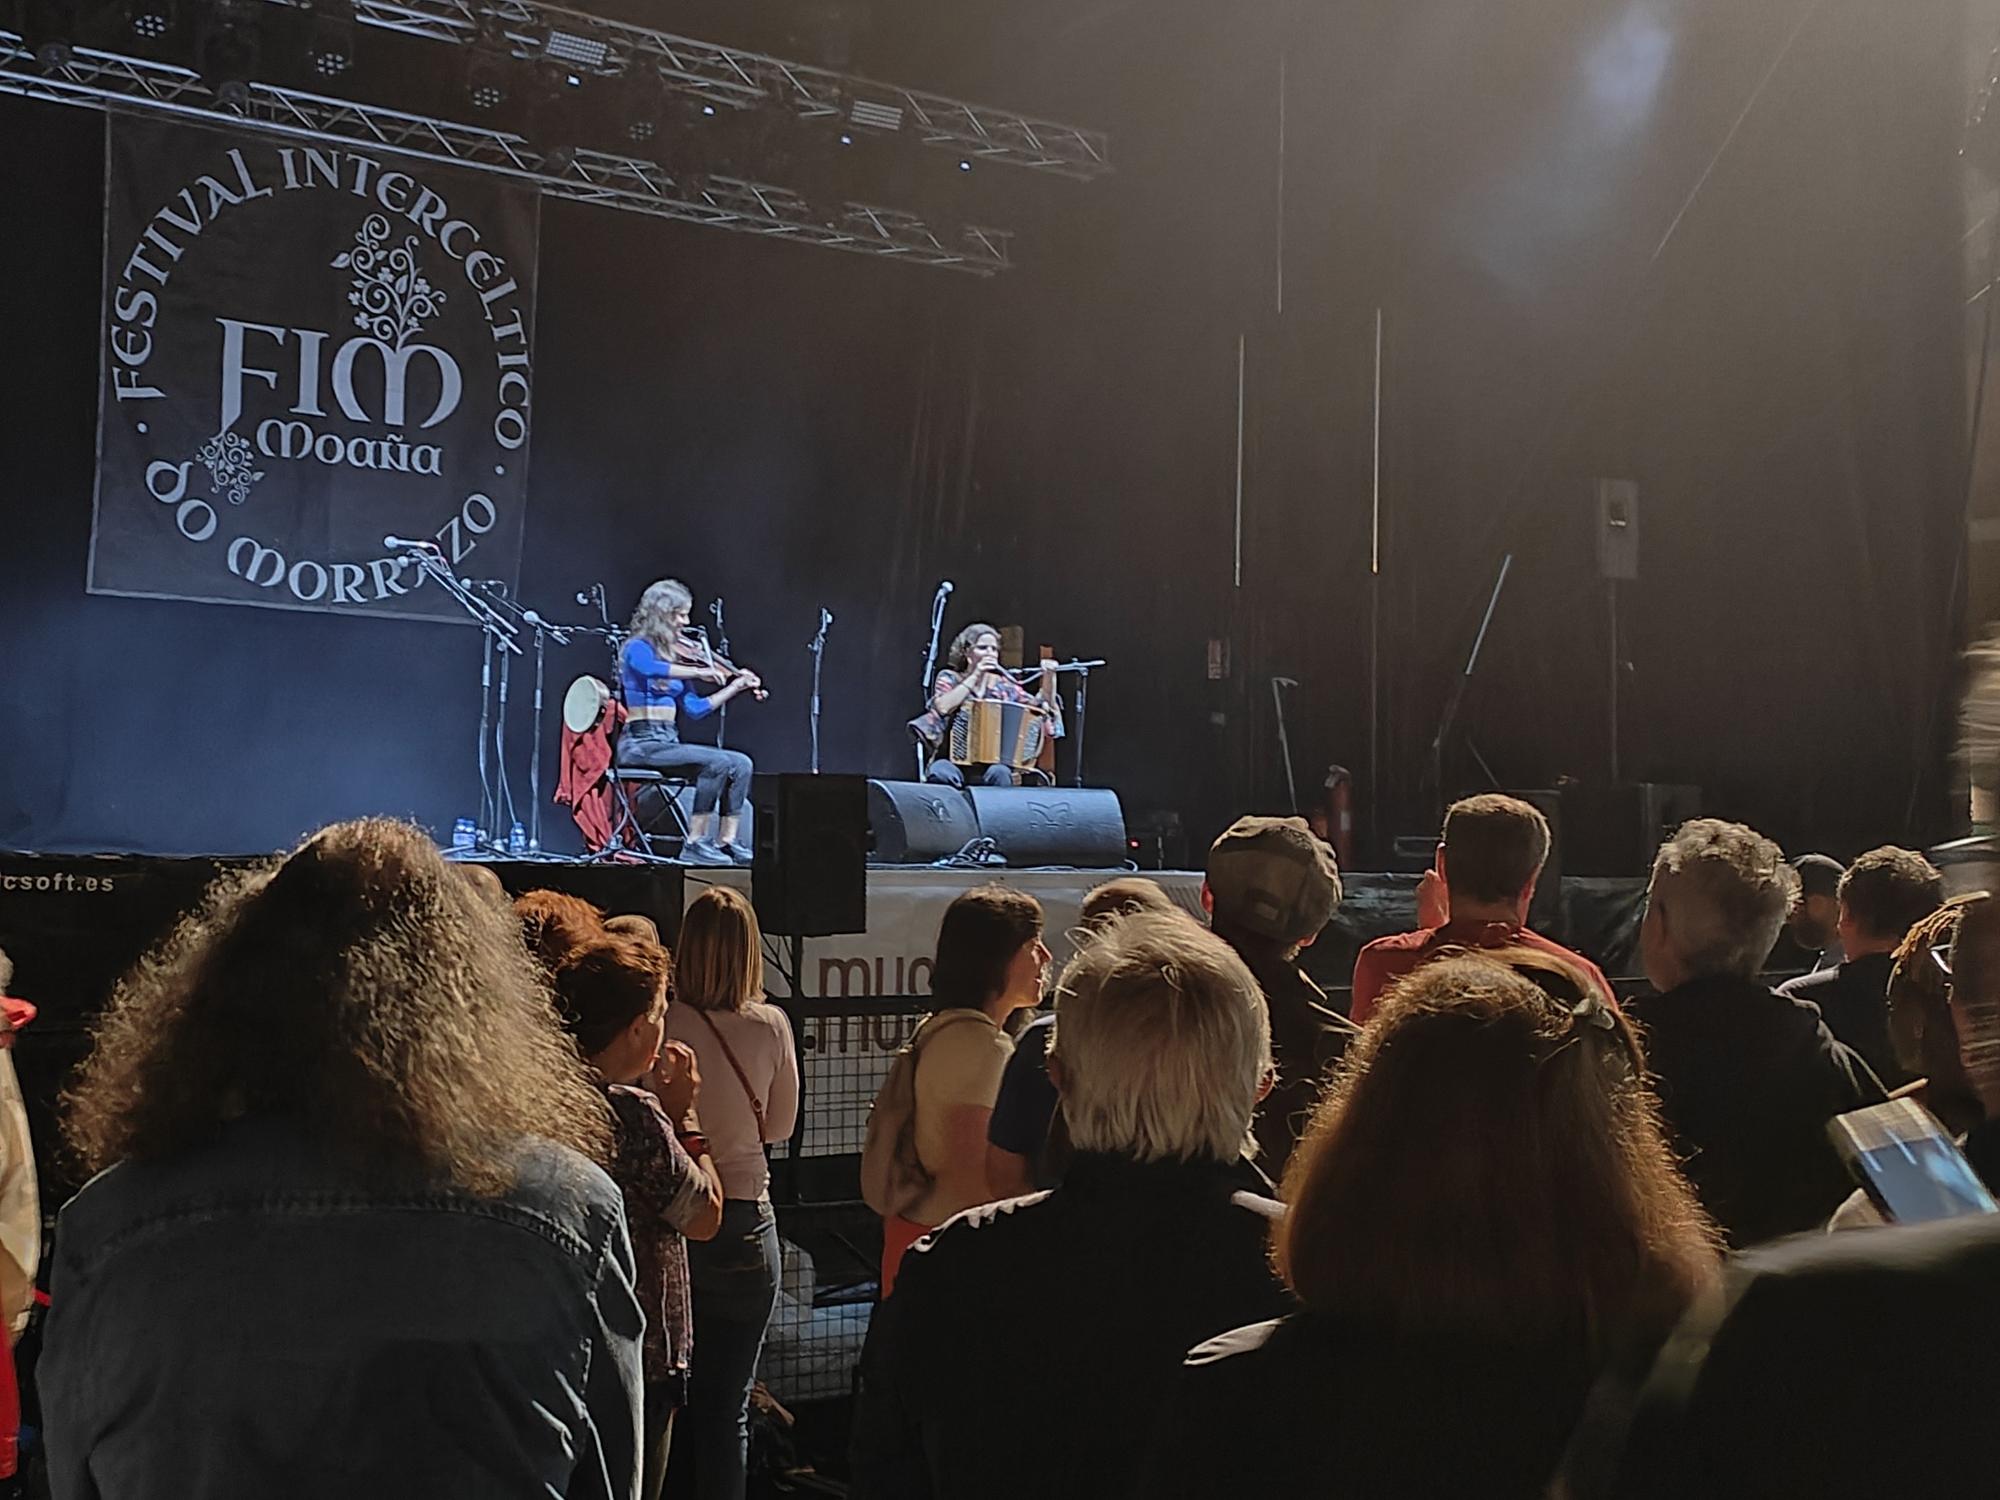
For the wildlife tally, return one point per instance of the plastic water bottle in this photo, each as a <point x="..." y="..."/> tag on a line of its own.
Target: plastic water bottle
<point x="517" y="838"/>
<point x="462" y="834"/>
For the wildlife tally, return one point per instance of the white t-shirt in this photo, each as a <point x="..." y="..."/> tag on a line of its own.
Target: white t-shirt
<point x="761" y="1038"/>
<point x="960" y="1065"/>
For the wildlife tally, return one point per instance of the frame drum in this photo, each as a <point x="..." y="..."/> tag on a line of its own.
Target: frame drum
<point x="583" y="704"/>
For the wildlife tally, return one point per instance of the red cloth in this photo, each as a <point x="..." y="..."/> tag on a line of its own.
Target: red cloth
<point x="1388" y="959"/>
<point x="898" y="1234"/>
<point x="583" y="787"/>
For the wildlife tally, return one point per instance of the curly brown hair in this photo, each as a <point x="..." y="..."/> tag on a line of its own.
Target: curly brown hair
<point x="1489" y="1161"/>
<point x="555" y="924"/>
<point x="959" y="655"/>
<point x="357" y="988"/>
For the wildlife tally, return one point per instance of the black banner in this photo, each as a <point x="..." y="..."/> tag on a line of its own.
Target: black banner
<point x="308" y="348"/>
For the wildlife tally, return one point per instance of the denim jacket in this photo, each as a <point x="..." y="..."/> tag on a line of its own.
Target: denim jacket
<point x="257" y="1318"/>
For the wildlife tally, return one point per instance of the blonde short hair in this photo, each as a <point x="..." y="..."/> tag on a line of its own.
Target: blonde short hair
<point x="1162" y="1040"/>
<point x="1724" y="891"/>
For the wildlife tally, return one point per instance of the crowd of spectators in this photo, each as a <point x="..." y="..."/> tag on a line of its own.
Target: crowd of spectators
<point x="403" y="1185"/>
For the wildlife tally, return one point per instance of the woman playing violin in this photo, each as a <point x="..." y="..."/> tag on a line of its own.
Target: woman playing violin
<point x="973" y="670"/>
<point x="658" y="676"/>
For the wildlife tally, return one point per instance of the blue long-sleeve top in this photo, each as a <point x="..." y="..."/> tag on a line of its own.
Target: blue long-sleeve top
<point x="649" y="682"/>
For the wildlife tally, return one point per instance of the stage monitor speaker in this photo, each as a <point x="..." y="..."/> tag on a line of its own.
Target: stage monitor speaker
<point x="918" y="822"/>
<point x="1618" y="528"/>
<point x="1081" y="827"/>
<point x="810" y="878"/>
<point x="1616" y="830"/>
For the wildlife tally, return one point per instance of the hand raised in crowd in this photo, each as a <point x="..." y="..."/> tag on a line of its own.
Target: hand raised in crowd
<point x="675" y="1080"/>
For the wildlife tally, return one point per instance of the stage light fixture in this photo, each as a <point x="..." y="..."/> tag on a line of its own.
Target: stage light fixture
<point x="330" y="37"/>
<point x="48" y="31"/>
<point x="152" y="20"/>
<point x="226" y="52"/>
<point x="872" y="114"/>
<point x="575" y="48"/>
<point x="487" y="76"/>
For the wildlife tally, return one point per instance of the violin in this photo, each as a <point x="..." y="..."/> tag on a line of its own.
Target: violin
<point x="691" y="649"/>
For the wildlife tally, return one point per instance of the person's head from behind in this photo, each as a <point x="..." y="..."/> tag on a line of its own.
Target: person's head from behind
<point x="1883" y="894"/>
<point x="1490" y="856"/>
<point x="1123" y="897"/>
<point x="612" y="996"/>
<point x="720" y="965"/>
<point x="1271" y="886"/>
<point x="1720" y="893"/>
<point x="990" y="954"/>
<point x="1489" y="1162"/>
<point x="555" y="924"/>
<point x="975" y="647"/>
<point x="358" y="989"/>
<point x="1163" y="1043"/>
<point x="1815" y="918"/>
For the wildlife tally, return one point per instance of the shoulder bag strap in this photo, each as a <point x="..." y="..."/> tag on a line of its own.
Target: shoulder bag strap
<point x="756" y="1104"/>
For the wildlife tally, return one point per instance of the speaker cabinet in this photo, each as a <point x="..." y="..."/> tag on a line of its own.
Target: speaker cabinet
<point x="918" y="822"/>
<point x="1616" y="830"/>
<point x="810" y="877"/>
<point x="1083" y="827"/>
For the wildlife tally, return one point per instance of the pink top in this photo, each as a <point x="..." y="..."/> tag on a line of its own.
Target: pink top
<point x="761" y="1038"/>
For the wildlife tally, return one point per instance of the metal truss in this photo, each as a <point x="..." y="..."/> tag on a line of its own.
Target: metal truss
<point x="98" y="79"/>
<point x="725" y="76"/>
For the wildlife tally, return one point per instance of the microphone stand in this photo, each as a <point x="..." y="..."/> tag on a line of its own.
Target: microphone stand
<point x="1082" y="670"/>
<point x="930" y="663"/>
<point x="722" y="649"/>
<point x="817" y="645"/>
<point x="1450" y="715"/>
<point x="1284" y="738"/>
<point x="497" y="633"/>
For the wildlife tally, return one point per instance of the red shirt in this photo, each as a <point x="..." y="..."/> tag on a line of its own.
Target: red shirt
<point x="1388" y="959"/>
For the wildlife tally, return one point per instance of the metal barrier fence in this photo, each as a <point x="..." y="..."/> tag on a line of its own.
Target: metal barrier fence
<point x="831" y="1241"/>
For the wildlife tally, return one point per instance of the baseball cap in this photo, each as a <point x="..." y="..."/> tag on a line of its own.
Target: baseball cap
<point x="1273" y="878"/>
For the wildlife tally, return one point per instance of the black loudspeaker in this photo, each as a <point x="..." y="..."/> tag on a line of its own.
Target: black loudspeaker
<point x="918" y="822"/>
<point x="1083" y="827"/>
<point x="1616" y="830"/>
<point x="1618" y="528"/>
<point x="810" y="878"/>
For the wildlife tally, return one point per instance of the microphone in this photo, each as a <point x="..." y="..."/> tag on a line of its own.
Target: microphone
<point x="946" y="587"/>
<point x="561" y="633"/>
<point x="825" y="617"/>
<point x="583" y="598"/>
<point x="1290" y="682"/>
<point x="393" y="542"/>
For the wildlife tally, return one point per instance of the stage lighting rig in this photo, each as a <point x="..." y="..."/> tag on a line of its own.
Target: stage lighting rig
<point x="330" y="37"/>
<point x="574" y="47"/>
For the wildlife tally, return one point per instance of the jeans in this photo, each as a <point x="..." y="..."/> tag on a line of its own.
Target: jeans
<point x="735" y="1282"/>
<point x="720" y="776"/>
<point x="950" y="773"/>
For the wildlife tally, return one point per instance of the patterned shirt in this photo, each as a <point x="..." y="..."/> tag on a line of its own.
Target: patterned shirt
<point x="663" y="1189"/>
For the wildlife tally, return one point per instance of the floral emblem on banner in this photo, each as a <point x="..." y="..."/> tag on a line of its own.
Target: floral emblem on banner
<point x="392" y="296"/>
<point x="227" y="459"/>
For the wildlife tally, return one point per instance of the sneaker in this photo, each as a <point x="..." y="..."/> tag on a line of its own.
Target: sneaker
<point x="703" y="852"/>
<point x="737" y="852"/>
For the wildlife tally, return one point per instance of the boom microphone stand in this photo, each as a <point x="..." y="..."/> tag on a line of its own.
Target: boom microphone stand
<point x="722" y="650"/>
<point x="498" y="634"/>
<point x="930" y="659"/>
<point x="817" y="645"/>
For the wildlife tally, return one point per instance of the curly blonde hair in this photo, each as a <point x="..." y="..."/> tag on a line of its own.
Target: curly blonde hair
<point x="649" y="616"/>
<point x="358" y="988"/>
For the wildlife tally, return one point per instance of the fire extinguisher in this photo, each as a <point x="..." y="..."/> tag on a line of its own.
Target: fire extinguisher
<point x="1338" y="797"/>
